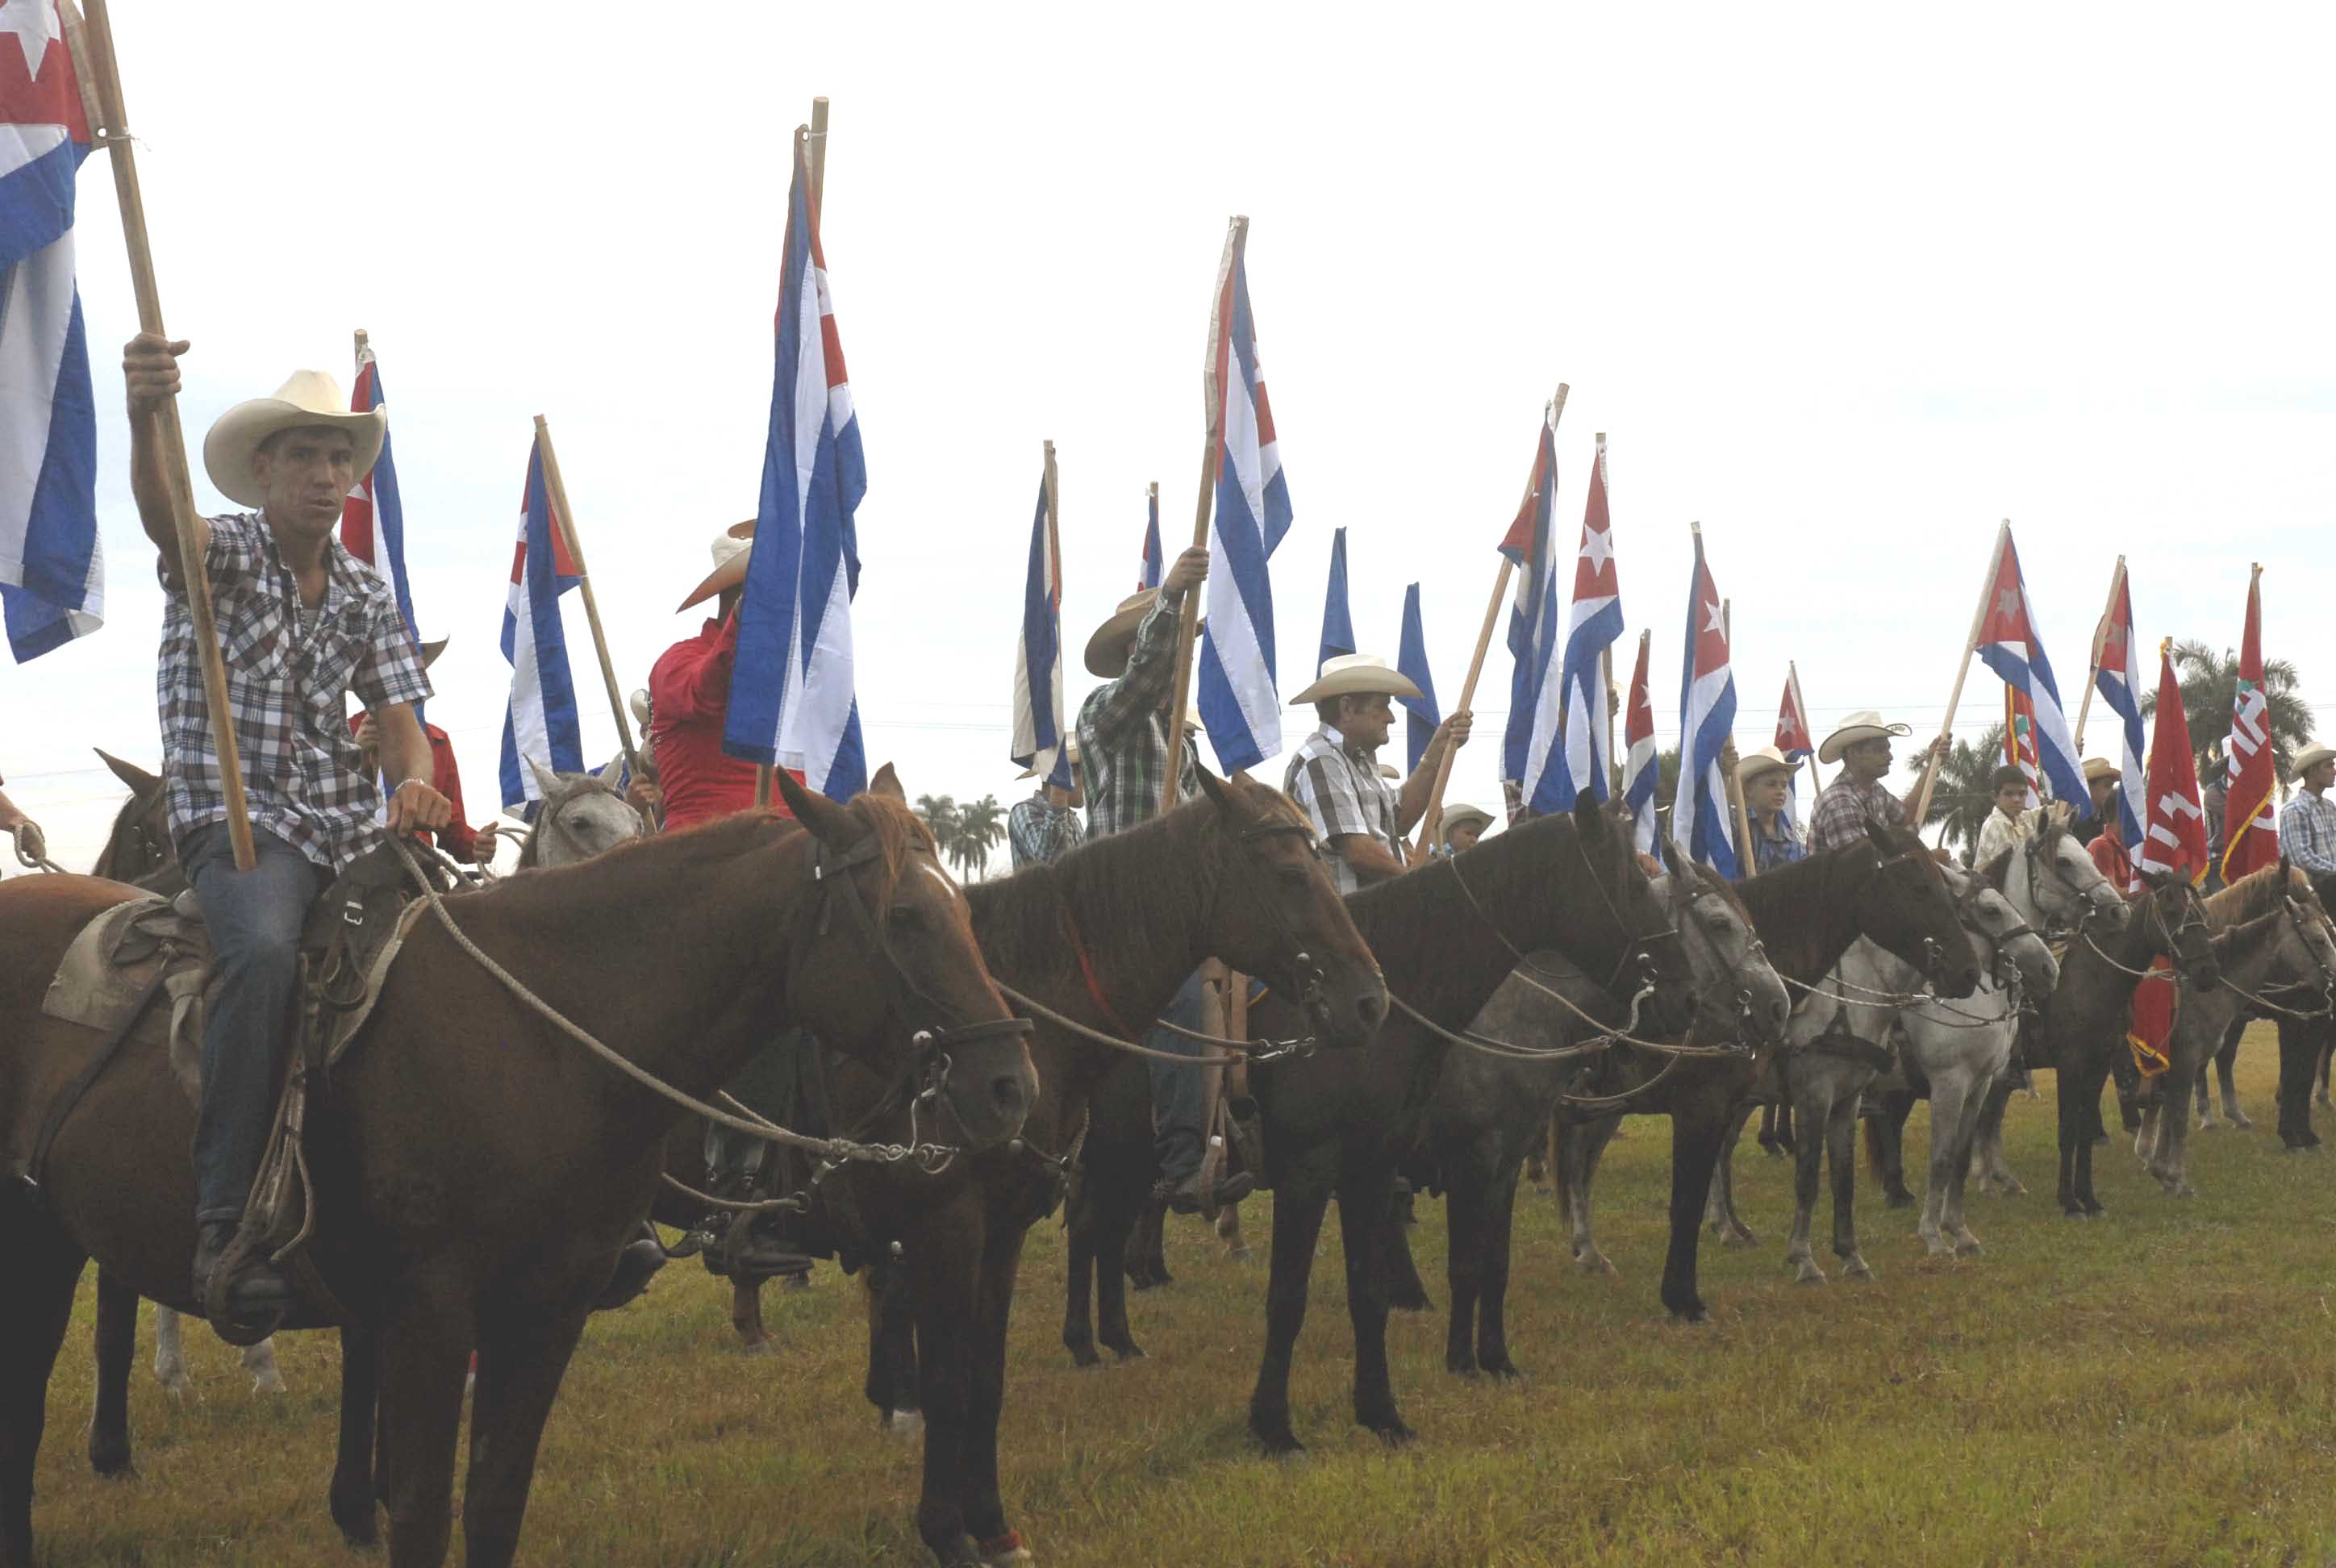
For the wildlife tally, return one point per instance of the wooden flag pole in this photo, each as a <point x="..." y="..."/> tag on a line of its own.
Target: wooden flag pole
<point x="1189" y="614"/>
<point x="1432" y="818"/>
<point x="1606" y="654"/>
<point x="558" y="488"/>
<point x="98" y="68"/>
<point x="1962" y="667"/>
<point x="1735" y="789"/>
<point x="2093" y="662"/>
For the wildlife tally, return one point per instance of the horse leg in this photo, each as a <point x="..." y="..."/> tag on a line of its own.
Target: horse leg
<point x="2327" y="1055"/>
<point x="1841" y="1156"/>
<point x="746" y="1317"/>
<point x="1886" y="1147"/>
<point x="2169" y="1156"/>
<point x="426" y="1353"/>
<point x="1229" y="1231"/>
<point x="1699" y="1131"/>
<point x="1299" y="1200"/>
<point x="943" y="1273"/>
<point x="1368" y="1235"/>
<point x="984" y="1507"/>
<point x="1079" y="1280"/>
<point x="1398" y="1275"/>
<point x="1809" y="1167"/>
<point x="36" y="1309"/>
<point x="1575" y="1164"/>
<point x="1117" y="1222"/>
<point x="1720" y="1210"/>
<point x="2088" y="1080"/>
<point x="1966" y="1135"/>
<point x="1995" y="1171"/>
<point x="1492" y="1304"/>
<point x="2206" y="1104"/>
<point x="1463" y="1260"/>
<point x="521" y="1363"/>
<point x="892" y="1385"/>
<point x="259" y="1361"/>
<point x="117" y="1347"/>
<point x="352" y="1496"/>
<point x="1950" y="1088"/>
<point x="2226" y="1062"/>
<point x="1769" y="1144"/>
<point x="1148" y="1247"/>
<point x="170" y="1349"/>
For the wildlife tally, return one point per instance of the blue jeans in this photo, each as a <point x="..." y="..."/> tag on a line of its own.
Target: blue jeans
<point x="1180" y="1101"/>
<point x="254" y="919"/>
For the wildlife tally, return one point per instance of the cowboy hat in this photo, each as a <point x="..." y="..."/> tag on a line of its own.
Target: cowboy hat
<point x="1070" y="745"/>
<point x="2100" y="767"/>
<point x="1865" y="723"/>
<point x="1356" y="674"/>
<point x="1456" y="816"/>
<point x="2310" y="756"/>
<point x="732" y="547"/>
<point x="1388" y="770"/>
<point x="306" y="398"/>
<point x="639" y="703"/>
<point x="1107" y="648"/>
<point x="1753" y="763"/>
<point x="431" y="650"/>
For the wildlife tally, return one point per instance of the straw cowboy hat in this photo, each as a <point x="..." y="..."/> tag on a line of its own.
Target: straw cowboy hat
<point x="306" y="398"/>
<point x="1071" y="746"/>
<point x="1356" y="674"/>
<point x="1461" y="816"/>
<point x="2099" y="767"/>
<point x="639" y="703"/>
<point x="2311" y="757"/>
<point x="1865" y="723"/>
<point x="1753" y="763"/>
<point x="732" y="547"/>
<point x="431" y="650"/>
<point x="1388" y="770"/>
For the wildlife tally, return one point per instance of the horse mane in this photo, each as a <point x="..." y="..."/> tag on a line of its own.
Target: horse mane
<point x="2255" y="894"/>
<point x="1997" y="872"/>
<point x="1708" y="880"/>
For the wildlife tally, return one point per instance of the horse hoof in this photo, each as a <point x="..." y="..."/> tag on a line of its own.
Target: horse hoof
<point x="1690" y="1313"/>
<point x="176" y="1389"/>
<point x="1006" y="1552"/>
<point x="1130" y="1351"/>
<point x="1968" y="1247"/>
<point x="2240" y="1122"/>
<point x="1241" y="1254"/>
<point x="1083" y="1360"/>
<point x="1899" y="1199"/>
<point x="1854" y="1269"/>
<point x="1809" y="1274"/>
<point x="1392" y="1431"/>
<point x="1738" y="1237"/>
<point x="1600" y="1265"/>
<point x="268" y="1382"/>
<point x="759" y="1348"/>
<point x="905" y="1424"/>
<point x="1414" y="1301"/>
<point x="1280" y="1442"/>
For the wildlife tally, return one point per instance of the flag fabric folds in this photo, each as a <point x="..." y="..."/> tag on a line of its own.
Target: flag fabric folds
<point x="373" y="521"/>
<point x="1641" y="766"/>
<point x="1238" y="702"/>
<point x="2250" y="831"/>
<point x="1337" y="620"/>
<point x="2020" y="740"/>
<point x="1707" y="715"/>
<point x="2175" y="844"/>
<point x="1038" y="735"/>
<point x="2008" y="645"/>
<point x="2118" y="681"/>
<point x="1534" y="690"/>
<point x="1795" y="740"/>
<point x="541" y="722"/>
<point x="791" y="699"/>
<point x="1147" y="574"/>
<point x="1596" y="621"/>
<point x="1421" y="716"/>
<point x="51" y="568"/>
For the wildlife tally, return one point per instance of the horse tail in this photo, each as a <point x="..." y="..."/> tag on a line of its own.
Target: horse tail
<point x="1875" y="1166"/>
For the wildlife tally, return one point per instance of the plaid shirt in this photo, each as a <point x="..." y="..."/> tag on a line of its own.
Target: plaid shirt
<point x="1781" y="848"/>
<point x="1124" y="739"/>
<point x="1843" y="809"/>
<point x="1340" y="789"/>
<point x="2307" y="832"/>
<point x="288" y="673"/>
<point x="1041" y="833"/>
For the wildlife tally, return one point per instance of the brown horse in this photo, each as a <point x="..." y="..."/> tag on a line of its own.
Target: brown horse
<point x="476" y="1170"/>
<point x="138" y="845"/>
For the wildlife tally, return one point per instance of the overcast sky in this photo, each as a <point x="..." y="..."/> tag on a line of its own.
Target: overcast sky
<point x="1848" y="286"/>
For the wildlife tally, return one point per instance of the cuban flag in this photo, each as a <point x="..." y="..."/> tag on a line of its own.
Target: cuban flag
<point x="1039" y="656"/>
<point x="2118" y="680"/>
<point x="791" y="699"/>
<point x="1533" y="619"/>
<point x="1596" y="622"/>
<point x="1421" y="714"/>
<point x="1707" y="715"/>
<point x="2008" y="645"/>
<point x="1795" y="740"/>
<point x="1147" y="574"/>
<point x="2175" y="842"/>
<point x="1337" y="618"/>
<point x="51" y="570"/>
<point x="373" y="521"/>
<point x="1238" y="701"/>
<point x="1641" y="770"/>
<point x="540" y="722"/>
<point x="2020" y="740"/>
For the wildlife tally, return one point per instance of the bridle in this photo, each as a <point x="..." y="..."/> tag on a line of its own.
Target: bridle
<point x="2193" y="918"/>
<point x="1635" y="944"/>
<point x="1755" y="954"/>
<point x="548" y="820"/>
<point x="1934" y="958"/>
<point x="1304" y="972"/>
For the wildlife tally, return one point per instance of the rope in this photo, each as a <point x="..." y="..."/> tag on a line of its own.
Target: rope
<point x="1063" y="1020"/>
<point x="1622" y="1100"/>
<point x="834" y="1151"/>
<point x="2171" y="976"/>
<point x="792" y="1205"/>
<point x="1504" y="1049"/>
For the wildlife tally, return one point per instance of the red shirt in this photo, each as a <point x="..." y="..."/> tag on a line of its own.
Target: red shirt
<point x="2109" y="854"/>
<point x="457" y="838"/>
<point x="690" y="698"/>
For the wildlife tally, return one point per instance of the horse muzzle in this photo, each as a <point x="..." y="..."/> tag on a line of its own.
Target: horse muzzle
<point x="985" y="1091"/>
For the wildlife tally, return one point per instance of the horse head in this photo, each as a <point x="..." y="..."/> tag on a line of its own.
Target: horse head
<point x="2308" y="959"/>
<point x="1275" y="913"/>
<point x="1738" y="995"/>
<point x="2065" y="888"/>
<point x="581" y="816"/>
<point x="2179" y="929"/>
<point x="1905" y="907"/>
<point x="2015" y="949"/>
<point x="888" y="969"/>
<point x="139" y="843"/>
<point x="1629" y="920"/>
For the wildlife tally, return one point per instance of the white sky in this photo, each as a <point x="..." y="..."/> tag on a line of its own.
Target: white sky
<point x="1846" y="286"/>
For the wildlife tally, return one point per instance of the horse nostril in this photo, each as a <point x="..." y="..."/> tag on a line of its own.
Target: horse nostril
<point x="1370" y="1010"/>
<point x="1006" y="1089"/>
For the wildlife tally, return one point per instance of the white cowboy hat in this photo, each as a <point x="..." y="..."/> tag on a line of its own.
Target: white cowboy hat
<point x="1388" y="770"/>
<point x="2310" y="755"/>
<point x="1456" y="816"/>
<point x="639" y="703"/>
<point x="2097" y="767"/>
<point x="732" y="548"/>
<point x="307" y="397"/>
<point x="1071" y="746"/>
<point x="1753" y="763"/>
<point x="1356" y="674"/>
<point x="431" y="650"/>
<point x="1865" y="723"/>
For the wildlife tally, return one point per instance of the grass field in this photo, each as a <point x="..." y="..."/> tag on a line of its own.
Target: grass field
<point x="2155" y="1388"/>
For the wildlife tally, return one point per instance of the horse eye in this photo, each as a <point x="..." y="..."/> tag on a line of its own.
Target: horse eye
<point x="906" y="915"/>
<point x="1292" y="876"/>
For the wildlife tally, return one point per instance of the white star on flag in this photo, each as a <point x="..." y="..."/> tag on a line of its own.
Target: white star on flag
<point x="1597" y="548"/>
<point x="34" y="22"/>
<point x="1711" y="617"/>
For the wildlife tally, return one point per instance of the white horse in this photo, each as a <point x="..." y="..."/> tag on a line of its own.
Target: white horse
<point x="582" y="816"/>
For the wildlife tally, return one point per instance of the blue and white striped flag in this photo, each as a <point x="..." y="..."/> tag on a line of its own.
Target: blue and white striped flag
<point x="1240" y="702"/>
<point x="2009" y="645"/>
<point x="791" y="699"/>
<point x="373" y="518"/>
<point x="540" y="722"/>
<point x="1707" y="715"/>
<point x="1039" y="737"/>
<point x="1533" y="619"/>
<point x="2120" y="683"/>
<point x="51" y="570"/>
<point x="1421" y="713"/>
<point x="1596" y="621"/>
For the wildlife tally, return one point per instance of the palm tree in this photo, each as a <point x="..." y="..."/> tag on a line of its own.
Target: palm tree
<point x="980" y="826"/>
<point x="1961" y="799"/>
<point x="2210" y="683"/>
<point x="941" y="815"/>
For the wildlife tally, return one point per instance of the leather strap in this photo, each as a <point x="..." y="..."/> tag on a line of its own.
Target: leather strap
<point x="62" y="1106"/>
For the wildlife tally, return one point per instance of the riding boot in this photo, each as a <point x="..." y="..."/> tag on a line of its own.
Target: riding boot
<point x="640" y="1259"/>
<point x="1187" y="1197"/>
<point x="258" y="1288"/>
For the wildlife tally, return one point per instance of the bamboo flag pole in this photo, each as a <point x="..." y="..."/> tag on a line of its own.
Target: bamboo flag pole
<point x="1735" y="789"/>
<point x="2093" y="661"/>
<point x="96" y="43"/>
<point x="557" y="487"/>
<point x="1962" y="667"/>
<point x="1189" y="614"/>
<point x="1432" y="818"/>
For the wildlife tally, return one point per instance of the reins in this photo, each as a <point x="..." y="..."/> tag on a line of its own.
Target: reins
<point x="1241" y="1051"/>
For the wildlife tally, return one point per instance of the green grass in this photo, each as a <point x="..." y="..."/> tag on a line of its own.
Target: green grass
<point x="2156" y="1386"/>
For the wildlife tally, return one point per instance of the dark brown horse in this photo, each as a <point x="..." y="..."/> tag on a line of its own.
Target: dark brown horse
<point x="477" y="1171"/>
<point x="138" y="845"/>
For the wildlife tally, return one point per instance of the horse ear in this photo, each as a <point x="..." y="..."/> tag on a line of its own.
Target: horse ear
<point x="888" y="784"/>
<point x="1878" y="836"/>
<point x="1589" y="819"/>
<point x="611" y="773"/>
<point x="1214" y="788"/>
<point x="546" y="779"/>
<point x="1672" y="865"/>
<point x="831" y="823"/>
<point x="129" y="772"/>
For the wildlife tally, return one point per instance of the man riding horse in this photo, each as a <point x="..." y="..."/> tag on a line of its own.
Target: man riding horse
<point x="1334" y="775"/>
<point x="1857" y="795"/>
<point x="301" y="622"/>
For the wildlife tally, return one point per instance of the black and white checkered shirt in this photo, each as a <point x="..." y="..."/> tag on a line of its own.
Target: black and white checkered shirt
<point x="1340" y="789"/>
<point x="288" y="672"/>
